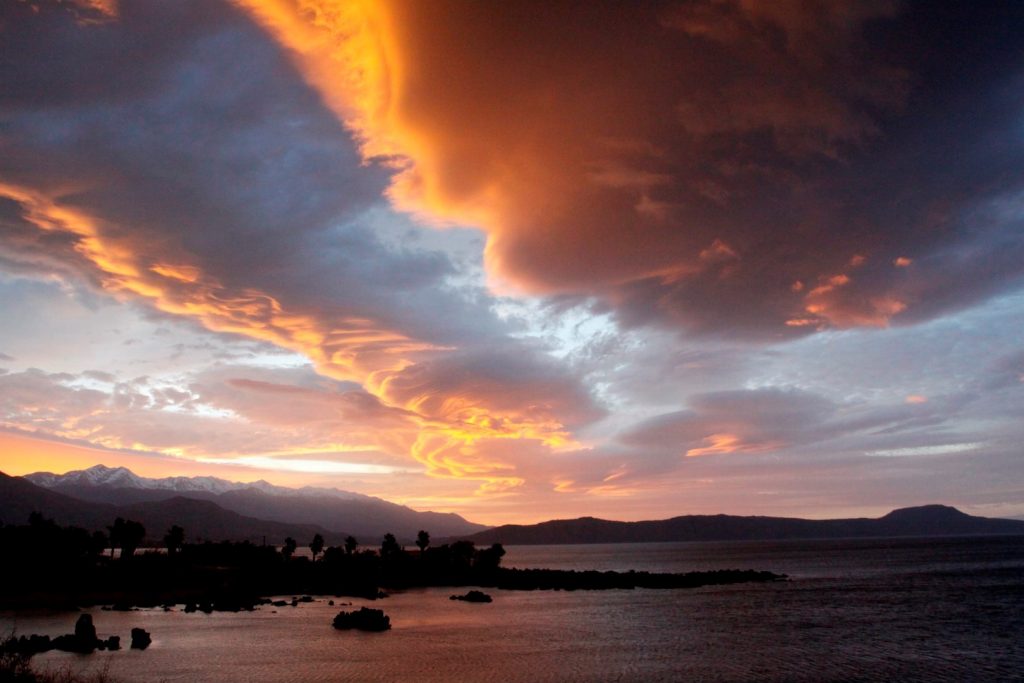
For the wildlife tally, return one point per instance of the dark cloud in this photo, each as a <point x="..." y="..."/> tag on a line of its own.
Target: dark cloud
<point x="206" y="156"/>
<point x="756" y="170"/>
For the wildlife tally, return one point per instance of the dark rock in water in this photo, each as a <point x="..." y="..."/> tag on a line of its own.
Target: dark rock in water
<point x="140" y="639"/>
<point x="330" y="603"/>
<point x="82" y="641"/>
<point x="280" y="603"/>
<point x="122" y="607"/>
<point x="473" y="596"/>
<point x="190" y="607"/>
<point x="30" y="645"/>
<point x="365" y="620"/>
<point x="306" y="598"/>
<point x="84" y="629"/>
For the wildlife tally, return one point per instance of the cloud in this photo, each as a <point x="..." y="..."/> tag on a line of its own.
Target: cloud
<point x="207" y="181"/>
<point x="610" y="157"/>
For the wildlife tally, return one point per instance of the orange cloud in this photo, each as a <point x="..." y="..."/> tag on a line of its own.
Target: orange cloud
<point x="722" y="443"/>
<point x="597" y="167"/>
<point x="441" y="426"/>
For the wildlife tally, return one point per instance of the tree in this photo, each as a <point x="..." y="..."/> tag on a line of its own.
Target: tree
<point x="489" y="559"/>
<point x="390" y="546"/>
<point x="422" y="541"/>
<point x="316" y="545"/>
<point x="350" y="545"/>
<point x="116" y="533"/>
<point x="289" y="548"/>
<point x="99" y="542"/>
<point x="131" y="538"/>
<point x="174" y="539"/>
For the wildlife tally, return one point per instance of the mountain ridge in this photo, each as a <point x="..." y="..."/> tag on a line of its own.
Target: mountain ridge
<point x="202" y="520"/>
<point x="925" y="520"/>
<point x="331" y="509"/>
<point x="122" y="477"/>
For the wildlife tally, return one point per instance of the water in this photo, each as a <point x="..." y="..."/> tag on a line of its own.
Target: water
<point x="871" y="610"/>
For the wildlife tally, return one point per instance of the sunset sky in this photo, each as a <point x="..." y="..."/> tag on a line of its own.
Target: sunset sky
<point x="520" y="260"/>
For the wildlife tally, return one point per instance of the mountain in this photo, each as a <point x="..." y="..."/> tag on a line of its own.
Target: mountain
<point x="103" y="477"/>
<point x="928" y="520"/>
<point x="201" y="519"/>
<point x="365" y="517"/>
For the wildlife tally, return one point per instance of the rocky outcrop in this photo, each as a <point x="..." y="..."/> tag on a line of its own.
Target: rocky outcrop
<point x="140" y="639"/>
<point x="364" y="619"/>
<point x="82" y="641"/>
<point x="473" y="596"/>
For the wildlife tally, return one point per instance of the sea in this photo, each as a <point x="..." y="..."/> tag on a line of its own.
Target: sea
<point x="908" y="609"/>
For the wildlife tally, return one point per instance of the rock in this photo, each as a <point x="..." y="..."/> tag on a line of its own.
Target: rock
<point x="473" y="596"/>
<point x="280" y="603"/>
<point x="113" y="643"/>
<point x="306" y="598"/>
<point x="330" y="603"/>
<point x="82" y="641"/>
<point x="365" y="620"/>
<point x="140" y="639"/>
<point x="190" y="607"/>
<point x="84" y="629"/>
<point x="31" y="645"/>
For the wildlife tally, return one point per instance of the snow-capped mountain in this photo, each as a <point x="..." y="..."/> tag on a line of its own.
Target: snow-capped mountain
<point x="332" y="509"/>
<point x="121" y="477"/>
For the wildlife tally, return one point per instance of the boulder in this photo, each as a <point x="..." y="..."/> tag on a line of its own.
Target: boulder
<point x="84" y="629"/>
<point x="364" y="619"/>
<point x="140" y="639"/>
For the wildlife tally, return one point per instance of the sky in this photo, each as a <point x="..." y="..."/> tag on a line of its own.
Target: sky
<point x="522" y="260"/>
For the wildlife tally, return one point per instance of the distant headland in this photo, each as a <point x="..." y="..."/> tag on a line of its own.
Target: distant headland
<point x="926" y="520"/>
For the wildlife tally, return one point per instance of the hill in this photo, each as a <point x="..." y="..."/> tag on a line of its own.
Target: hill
<point x="201" y="519"/>
<point x="928" y="520"/>
<point x="366" y="517"/>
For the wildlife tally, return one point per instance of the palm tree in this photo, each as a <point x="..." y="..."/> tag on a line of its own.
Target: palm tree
<point x="289" y="547"/>
<point x="316" y="545"/>
<point x="422" y="541"/>
<point x="350" y="545"/>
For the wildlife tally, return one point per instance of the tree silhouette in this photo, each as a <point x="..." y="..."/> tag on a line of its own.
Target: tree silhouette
<point x="289" y="548"/>
<point x="99" y="542"/>
<point x="487" y="560"/>
<point x="350" y="545"/>
<point x="316" y="545"/>
<point x="390" y="546"/>
<point x="116" y="534"/>
<point x="174" y="539"/>
<point x="422" y="541"/>
<point x="131" y="538"/>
